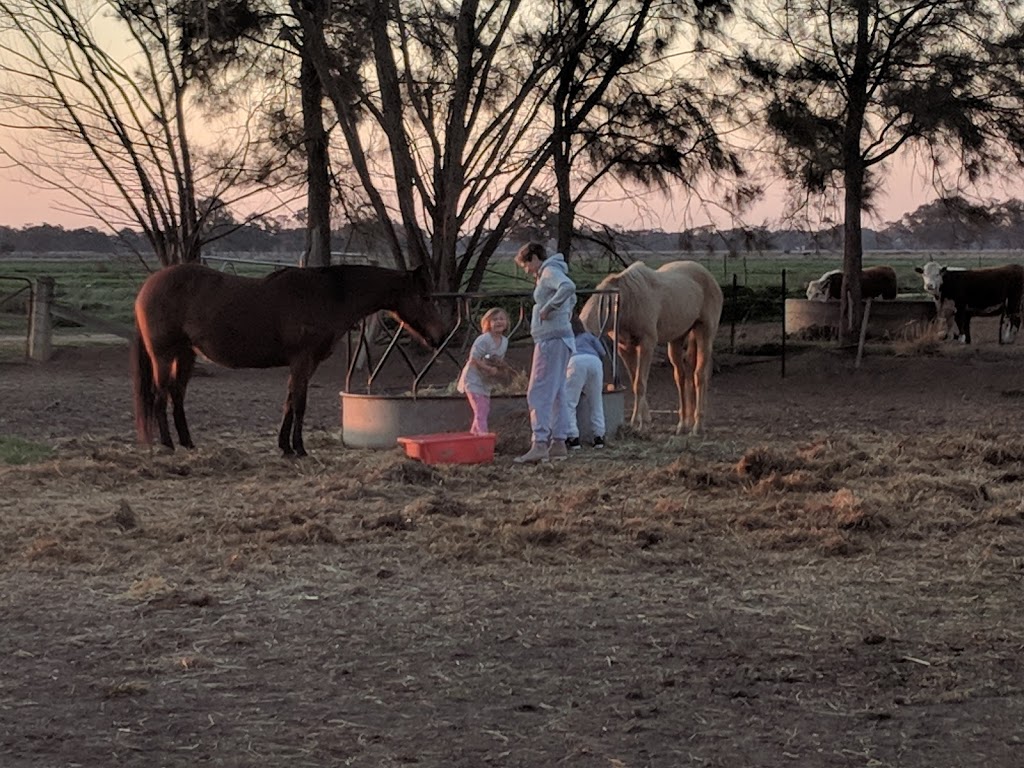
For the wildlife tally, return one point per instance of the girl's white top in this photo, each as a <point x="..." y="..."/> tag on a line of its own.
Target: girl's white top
<point x="472" y="379"/>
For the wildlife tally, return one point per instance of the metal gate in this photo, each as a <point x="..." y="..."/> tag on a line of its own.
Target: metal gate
<point x="12" y="290"/>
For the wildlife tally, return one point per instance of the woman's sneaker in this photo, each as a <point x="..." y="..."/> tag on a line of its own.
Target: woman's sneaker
<point x="598" y="442"/>
<point x="573" y="443"/>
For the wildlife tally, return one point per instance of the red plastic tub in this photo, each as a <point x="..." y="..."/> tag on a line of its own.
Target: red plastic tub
<point x="450" y="448"/>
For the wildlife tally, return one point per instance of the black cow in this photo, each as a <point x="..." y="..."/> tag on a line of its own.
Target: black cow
<point x="990" y="291"/>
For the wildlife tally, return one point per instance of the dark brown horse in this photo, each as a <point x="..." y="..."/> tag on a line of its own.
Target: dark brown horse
<point x="291" y="317"/>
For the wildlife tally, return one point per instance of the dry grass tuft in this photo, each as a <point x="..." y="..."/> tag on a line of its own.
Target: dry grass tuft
<point x="799" y="481"/>
<point x="1013" y="516"/>
<point x="125" y="689"/>
<point x="305" y="534"/>
<point x="920" y="339"/>
<point x="544" y="532"/>
<point x="51" y="549"/>
<point x="583" y="498"/>
<point x="1004" y="454"/>
<point x="760" y="462"/>
<point x="125" y="517"/>
<point x="834" y="544"/>
<point x="849" y="513"/>
<point x="691" y="472"/>
<point x="390" y="521"/>
<point x="408" y="472"/>
<point x="149" y="588"/>
<point x="438" y="504"/>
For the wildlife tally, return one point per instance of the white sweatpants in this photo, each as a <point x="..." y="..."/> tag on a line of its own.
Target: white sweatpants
<point x="585" y="376"/>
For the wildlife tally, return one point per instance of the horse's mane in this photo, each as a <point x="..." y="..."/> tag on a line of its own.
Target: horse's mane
<point x="632" y="280"/>
<point x="634" y="287"/>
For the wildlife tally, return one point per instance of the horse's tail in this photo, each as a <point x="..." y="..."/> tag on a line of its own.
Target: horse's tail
<point x="145" y="391"/>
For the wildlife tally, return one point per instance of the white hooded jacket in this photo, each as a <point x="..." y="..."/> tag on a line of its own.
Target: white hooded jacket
<point x="555" y="295"/>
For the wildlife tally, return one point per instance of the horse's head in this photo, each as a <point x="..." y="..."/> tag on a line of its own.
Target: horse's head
<point x="415" y="307"/>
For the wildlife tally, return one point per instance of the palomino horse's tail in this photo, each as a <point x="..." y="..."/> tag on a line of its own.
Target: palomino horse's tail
<point x="145" y="392"/>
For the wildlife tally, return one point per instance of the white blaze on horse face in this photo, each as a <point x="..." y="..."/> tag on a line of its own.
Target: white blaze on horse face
<point x="817" y="290"/>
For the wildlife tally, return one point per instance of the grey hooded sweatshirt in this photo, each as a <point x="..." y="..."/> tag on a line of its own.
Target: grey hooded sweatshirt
<point x="556" y="294"/>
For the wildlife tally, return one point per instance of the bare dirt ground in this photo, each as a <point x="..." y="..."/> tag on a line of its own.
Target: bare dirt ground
<point x="831" y="577"/>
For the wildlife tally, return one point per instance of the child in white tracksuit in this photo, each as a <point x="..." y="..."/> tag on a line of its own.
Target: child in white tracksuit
<point x="585" y="376"/>
<point x="553" y="345"/>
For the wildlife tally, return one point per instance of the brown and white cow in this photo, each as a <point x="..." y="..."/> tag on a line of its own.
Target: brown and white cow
<point x="875" y="282"/>
<point x="989" y="291"/>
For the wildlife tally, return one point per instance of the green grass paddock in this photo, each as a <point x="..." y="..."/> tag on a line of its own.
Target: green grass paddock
<point x="107" y="287"/>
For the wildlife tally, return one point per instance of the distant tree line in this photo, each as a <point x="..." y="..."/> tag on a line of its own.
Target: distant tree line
<point x="949" y="224"/>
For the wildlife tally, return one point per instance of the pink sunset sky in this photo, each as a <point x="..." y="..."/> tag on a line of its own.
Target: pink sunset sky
<point x="905" y="189"/>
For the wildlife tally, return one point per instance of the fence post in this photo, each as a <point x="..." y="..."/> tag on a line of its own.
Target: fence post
<point x="783" y="339"/>
<point x="863" y="333"/>
<point x="40" y="324"/>
<point x="735" y="311"/>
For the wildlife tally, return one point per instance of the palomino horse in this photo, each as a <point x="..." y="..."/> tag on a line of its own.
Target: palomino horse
<point x="291" y="317"/>
<point x="679" y="303"/>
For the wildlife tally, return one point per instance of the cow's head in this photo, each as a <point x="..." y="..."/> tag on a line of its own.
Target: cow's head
<point x="931" y="273"/>
<point x="817" y="290"/>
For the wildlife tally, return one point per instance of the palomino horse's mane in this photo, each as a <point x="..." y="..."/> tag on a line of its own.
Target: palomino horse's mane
<point x="634" y="286"/>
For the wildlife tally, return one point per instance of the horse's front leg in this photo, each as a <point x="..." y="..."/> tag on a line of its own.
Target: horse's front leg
<point x="284" y="434"/>
<point x="161" y="419"/>
<point x="681" y="355"/>
<point x="628" y="355"/>
<point x="641" y="410"/>
<point x="289" y="438"/>
<point x="701" y="348"/>
<point x="161" y="382"/>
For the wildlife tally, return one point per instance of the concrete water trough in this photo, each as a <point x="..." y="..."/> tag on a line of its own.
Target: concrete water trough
<point x="887" y="319"/>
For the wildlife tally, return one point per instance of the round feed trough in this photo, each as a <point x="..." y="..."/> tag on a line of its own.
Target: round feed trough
<point x="378" y="420"/>
<point x="887" y="319"/>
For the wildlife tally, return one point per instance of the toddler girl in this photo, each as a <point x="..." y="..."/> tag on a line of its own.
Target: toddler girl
<point x="486" y="358"/>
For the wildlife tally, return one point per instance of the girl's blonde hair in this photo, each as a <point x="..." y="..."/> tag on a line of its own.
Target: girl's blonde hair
<point x="488" y="318"/>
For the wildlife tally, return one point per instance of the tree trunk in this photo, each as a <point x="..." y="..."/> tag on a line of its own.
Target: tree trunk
<point x="566" y="207"/>
<point x="851" y="307"/>
<point x="449" y="167"/>
<point x="318" y="194"/>
<point x="851" y="311"/>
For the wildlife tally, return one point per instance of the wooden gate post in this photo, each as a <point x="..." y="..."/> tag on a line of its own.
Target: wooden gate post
<point x="40" y="324"/>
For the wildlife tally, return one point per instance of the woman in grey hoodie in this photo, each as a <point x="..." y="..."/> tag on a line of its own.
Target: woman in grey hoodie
<point x="553" y="344"/>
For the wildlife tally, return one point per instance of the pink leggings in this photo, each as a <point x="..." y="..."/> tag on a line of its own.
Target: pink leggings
<point x="481" y="405"/>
